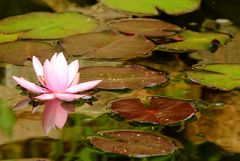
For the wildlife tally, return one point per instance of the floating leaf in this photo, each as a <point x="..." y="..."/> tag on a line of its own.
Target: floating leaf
<point x="8" y="37"/>
<point x="44" y="25"/>
<point x="193" y="41"/>
<point x="99" y="62"/>
<point x="7" y="117"/>
<point x="151" y="7"/>
<point x="161" y="110"/>
<point x="133" y="143"/>
<point x="132" y="77"/>
<point x="222" y="76"/>
<point x="107" y="45"/>
<point x="222" y="55"/>
<point x="18" y="52"/>
<point x="144" y="26"/>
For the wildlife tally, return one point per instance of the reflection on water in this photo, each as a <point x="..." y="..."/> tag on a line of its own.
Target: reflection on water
<point x="215" y="133"/>
<point x="220" y="125"/>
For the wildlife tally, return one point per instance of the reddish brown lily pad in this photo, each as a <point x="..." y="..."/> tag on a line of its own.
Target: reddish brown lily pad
<point x="144" y="26"/>
<point x="18" y="52"/>
<point x="161" y="110"/>
<point x="132" y="77"/>
<point x="133" y="143"/>
<point x="107" y="45"/>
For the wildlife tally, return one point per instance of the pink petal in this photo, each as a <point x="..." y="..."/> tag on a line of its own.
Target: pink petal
<point x="37" y="66"/>
<point x="76" y="79"/>
<point x="53" y="115"/>
<point x="46" y="96"/>
<point x="21" y="104"/>
<point x="72" y="71"/>
<point x="29" y="85"/>
<point x="50" y="77"/>
<point x="53" y="59"/>
<point x="61" y="116"/>
<point x="83" y="86"/>
<point x="49" y="115"/>
<point x="61" y="69"/>
<point x="69" y="96"/>
<point x="41" y="80"/>
<point x="38" y="69"/>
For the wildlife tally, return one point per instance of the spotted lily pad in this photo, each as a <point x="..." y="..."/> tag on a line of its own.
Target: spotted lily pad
<point x="151" y="7"/>
<point x="18" y="52"/>
<point x="159" y="110"/>
<point x="133" y="77"/>
<point x="192" y="41"/>
<point x="144" y="26"/>
<point x="133" y="143"/>
<point x="44" y="25"/>
<point x="107" y="45"/>
<point x="222" y="76"/>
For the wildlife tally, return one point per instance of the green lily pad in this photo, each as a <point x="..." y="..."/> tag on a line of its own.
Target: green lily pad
<point x="107" y="45"/>
<point x="44" y="25"/>
<point x="7" y="117"/>
<point x="144" y="26"/>
<point x="19" y="51"/>
<point x="222" y="55"/>
<point x="133" y="143"/>
<point x="132" y="77"/>
<point x="221" y="76"/>
<point x="151" y="7"/>
<point x="8" y="37"/>
<point x="192" y="41"/>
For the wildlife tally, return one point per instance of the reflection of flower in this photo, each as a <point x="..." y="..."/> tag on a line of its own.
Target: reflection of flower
<point x="59" y="82"/>
<point x="54" y="115"/>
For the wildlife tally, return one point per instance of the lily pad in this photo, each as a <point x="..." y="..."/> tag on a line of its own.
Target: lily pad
<point x="151" y="7"/>
<point x="221" y="76"/>
<point x="160" y="110"/>
<point x="44" y="25"/>
<point x="192" y="41"/>
<point x="132" y="77"/>
<point x="144" y="26"/>
<point x="107" y="45"/>
<point x="222" y="55"/>
<point x="18" y="52"/>
<point x="8" y="37"/>
<point x="133" y="143"/>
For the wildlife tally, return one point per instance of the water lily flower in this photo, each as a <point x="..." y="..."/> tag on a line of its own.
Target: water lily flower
<point x="59" y="82"/>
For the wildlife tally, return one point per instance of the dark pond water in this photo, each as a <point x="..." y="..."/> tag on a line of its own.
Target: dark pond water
<point x="214" y="136"/>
